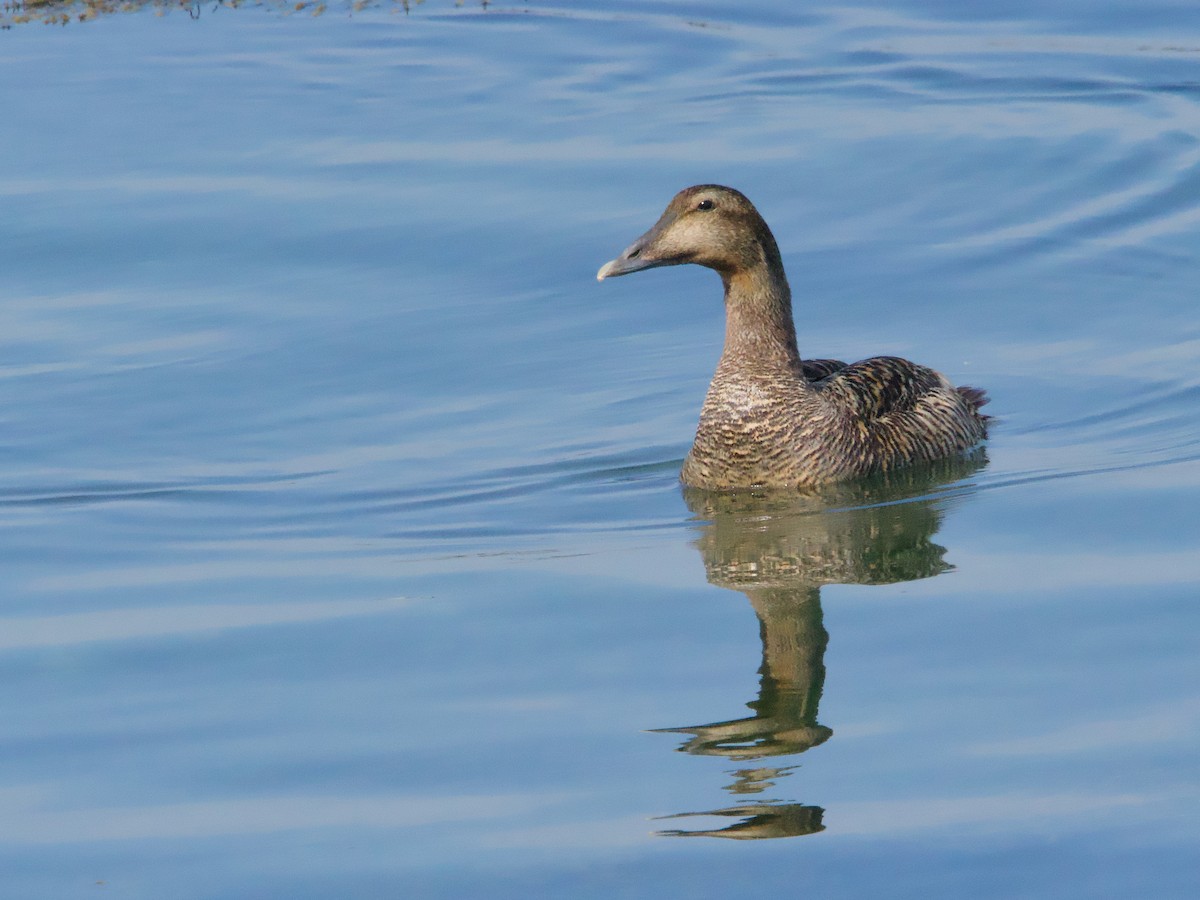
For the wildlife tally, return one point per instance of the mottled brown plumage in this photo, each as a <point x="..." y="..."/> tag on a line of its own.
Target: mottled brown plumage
<point x="770" y="418"/>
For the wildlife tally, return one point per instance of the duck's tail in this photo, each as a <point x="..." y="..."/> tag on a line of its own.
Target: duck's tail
<point x="975" y="397"/>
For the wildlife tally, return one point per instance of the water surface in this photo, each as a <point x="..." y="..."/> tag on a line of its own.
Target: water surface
<point x="343" y="546"/>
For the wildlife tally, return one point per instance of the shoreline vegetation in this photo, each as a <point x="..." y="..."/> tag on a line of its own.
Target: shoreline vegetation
<point x="64" y="12"/>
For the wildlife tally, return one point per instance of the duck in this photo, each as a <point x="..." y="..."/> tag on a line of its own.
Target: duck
<point x="771" y="419"/>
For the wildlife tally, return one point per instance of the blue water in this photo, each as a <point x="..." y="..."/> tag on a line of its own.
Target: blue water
<point x="343" y="549"/>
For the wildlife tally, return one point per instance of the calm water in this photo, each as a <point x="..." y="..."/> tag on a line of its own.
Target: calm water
<point x="343" y="552"/>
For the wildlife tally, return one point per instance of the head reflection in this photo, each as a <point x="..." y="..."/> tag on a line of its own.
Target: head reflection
<point x="779" y="549"/>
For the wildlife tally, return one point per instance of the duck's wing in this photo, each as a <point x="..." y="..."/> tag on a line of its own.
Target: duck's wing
<point x="876" y="388"/>
<point x="817" y="369"/>
<point x="904" y="412"/>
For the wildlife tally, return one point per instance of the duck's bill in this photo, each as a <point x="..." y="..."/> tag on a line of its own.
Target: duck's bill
<point x="623" y="266"/>
<point x="635" y="258"/>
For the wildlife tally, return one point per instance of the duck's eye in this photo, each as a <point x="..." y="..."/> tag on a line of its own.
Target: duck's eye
<point x="704" y="205"/>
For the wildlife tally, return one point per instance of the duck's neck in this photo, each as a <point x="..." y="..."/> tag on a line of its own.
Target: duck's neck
<point x="760" y="335"/>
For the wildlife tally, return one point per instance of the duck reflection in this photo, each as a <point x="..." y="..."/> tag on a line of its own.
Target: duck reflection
<point x="779" y="550"/>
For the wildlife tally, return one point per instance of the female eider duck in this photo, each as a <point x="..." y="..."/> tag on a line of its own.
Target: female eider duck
<point x="771" y="419"/>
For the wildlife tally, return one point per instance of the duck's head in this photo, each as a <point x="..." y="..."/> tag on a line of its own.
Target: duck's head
<point x="709" y="225"/>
